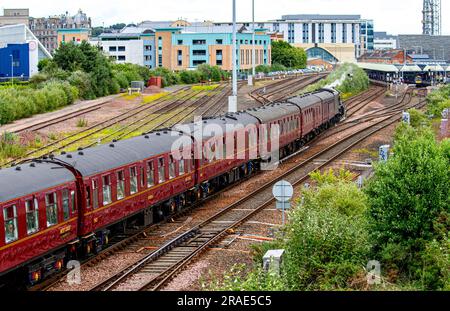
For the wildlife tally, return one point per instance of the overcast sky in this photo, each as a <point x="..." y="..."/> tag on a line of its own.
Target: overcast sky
<point x="393" y="16"/>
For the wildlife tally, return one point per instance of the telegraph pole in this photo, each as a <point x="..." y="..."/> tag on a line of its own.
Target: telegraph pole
<point x="232" y="100"/>
<point x="250" y="80"/>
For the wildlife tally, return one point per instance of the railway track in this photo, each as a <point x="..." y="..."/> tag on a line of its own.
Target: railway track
<point x="283" y="89"/>
<point x="153" y="257"/>
<point x="56" y="120"/>
<point x="161" y="106"/>
<point x="154" y="271"/>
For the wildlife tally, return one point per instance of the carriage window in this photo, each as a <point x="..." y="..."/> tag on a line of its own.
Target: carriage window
<point x="171" y="167"/>
<point x="181" y="167"/>
<point x="133" y="180"/>
<point x="32" y="210"/>
<point x="95" y="194"/>
<point x="51" y="207"/>
<point x="65" y="202"/>
<point x="106" y="190"/>
<point x="188" y="163"/>
<point x="142" y="177"/>
<point x="10" y="217"/>
<point x="88" y="196"/>
<point x="72" y="196"/>
<point x="120" y="185"/>
<point x="150" y="174"/>
<point x="161" y="171"/>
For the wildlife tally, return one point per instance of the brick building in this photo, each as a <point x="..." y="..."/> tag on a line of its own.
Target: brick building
<point x="396" y="56"/>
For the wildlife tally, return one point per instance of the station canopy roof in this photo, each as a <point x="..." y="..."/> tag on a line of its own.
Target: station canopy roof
<point x="378" y="67"/>
<point x="433" y="68"/>
<point x="410" y="68"/>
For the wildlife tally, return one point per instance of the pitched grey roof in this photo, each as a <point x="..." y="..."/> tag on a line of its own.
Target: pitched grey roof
<point x="273" y="112"/>
<point x="107" y="157"/>
<point x="30" y="180"/>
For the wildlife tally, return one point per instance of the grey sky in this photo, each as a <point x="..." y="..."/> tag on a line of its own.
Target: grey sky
<point x="394" y="16"/>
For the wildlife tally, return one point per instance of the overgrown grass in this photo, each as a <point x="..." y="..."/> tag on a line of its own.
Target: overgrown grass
<point x="205" y="87"/>
<point x="82" y="122"/>
<point x="150" y="98"/>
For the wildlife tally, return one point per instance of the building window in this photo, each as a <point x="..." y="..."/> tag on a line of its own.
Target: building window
<point x="148" y="47"/>
<point x="180" y="42"/>
<point x="219" y="62"/>
<point x="121" y="49"/>
<point x="333" y="33"/>
<point x="107" y="190"/>
<point x="51" y="207"/>
<point x="199" y="62"/>
<point x="199" y="42"/>
<point x="121" y="58"/>
<point x="219" y="41"/>
<point x="120" y="185"/>
<point x="10" y="218"/>
<point x="148" y="58"/>
<point x="199" y="52"/>
<point x="133" y="180"/>
<point x="321" y="33"/>
<point x="32" y="211"/>
<point x="344" y="33"/>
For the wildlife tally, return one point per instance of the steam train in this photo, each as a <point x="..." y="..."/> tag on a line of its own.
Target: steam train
<point x="67" y="207"/>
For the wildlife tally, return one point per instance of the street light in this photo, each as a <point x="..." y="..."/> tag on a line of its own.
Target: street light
<point x="12" y="69"/>
<point x="232" y="100"/>
<point x="250" y="81"/>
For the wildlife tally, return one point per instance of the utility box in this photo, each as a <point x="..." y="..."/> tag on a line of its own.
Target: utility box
<point x="272" y="261"/>
<point x="138" y="85"/>
<point x="384" y="153"/>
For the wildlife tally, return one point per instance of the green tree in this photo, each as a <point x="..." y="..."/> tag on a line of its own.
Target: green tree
<point x="69" y="57"/>
<point x="409" y="213"/>
<point x="285" y="54"/>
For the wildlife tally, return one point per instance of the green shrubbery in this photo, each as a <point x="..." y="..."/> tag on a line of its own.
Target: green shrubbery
<point x="326" y="241"/>
<point x="438" y="100"/>
<point x="348" y="79"/>
<point x="267" y="69"/>
<point x="21" y="103"/>
<point x="410" y="210"/>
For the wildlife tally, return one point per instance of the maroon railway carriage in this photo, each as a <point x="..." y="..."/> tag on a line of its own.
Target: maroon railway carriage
<point x="319" y="111"/>
<point x="38" y="218"/>
<point x="287" y="118"/>
<point x="57" y="209"/>
<point x="129" y="177"/>
<point x="224" y="156"/>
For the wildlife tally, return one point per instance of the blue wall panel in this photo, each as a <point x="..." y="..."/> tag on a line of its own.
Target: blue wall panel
<point x="21" y="60"/>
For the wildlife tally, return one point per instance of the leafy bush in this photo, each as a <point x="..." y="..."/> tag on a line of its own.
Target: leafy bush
<point x="409" y="200"/>
<point x="438" y="100"/>
<point x="418" y="118"/>
<point x="82" y="81"/>
<point x="348" y="79"/>
<point x="21" y="103"/>
<point x="326" y="242"/>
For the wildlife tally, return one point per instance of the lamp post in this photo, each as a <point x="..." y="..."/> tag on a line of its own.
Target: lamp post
<point x="232" y="100"/>
<point x="250" y="80"/>
<point x="12" y="69"/>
